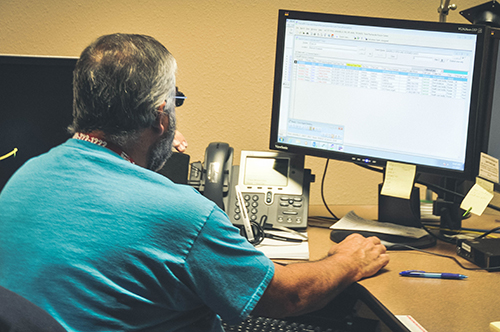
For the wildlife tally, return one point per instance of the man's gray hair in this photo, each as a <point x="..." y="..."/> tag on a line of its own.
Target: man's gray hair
<point x="119" y="83"/>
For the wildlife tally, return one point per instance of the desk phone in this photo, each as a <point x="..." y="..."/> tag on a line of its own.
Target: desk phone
<point x="275" y="188"/>
<point x="275" y="185"/>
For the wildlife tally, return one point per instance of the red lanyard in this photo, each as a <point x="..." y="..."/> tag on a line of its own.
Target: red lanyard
<point x="99" y="141"/>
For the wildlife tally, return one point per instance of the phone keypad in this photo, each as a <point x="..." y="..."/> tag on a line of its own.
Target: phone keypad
<point x="251" y="202"/>
<point x="289" y="211"/>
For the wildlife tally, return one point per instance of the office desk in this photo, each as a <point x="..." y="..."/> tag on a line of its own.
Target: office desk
<point x="439" y="305"/>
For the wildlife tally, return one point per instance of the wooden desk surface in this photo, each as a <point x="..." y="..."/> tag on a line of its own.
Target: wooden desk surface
<point x="439" y="305"/>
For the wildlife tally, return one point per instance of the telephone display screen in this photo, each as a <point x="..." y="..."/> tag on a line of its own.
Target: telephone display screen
<point x="266" y="171"/>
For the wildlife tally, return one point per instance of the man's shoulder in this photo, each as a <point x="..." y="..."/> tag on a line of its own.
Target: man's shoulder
<point x="101" y="172"/>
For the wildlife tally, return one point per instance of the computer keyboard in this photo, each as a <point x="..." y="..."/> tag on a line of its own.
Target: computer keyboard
<point x="264" y="324"/>
<point x="354" y="310"/>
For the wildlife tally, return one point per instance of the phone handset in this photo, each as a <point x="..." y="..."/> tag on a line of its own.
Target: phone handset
<point x="217" y="172"/>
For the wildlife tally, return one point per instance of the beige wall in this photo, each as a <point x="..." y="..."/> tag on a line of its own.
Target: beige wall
<point x="225" y="52"/>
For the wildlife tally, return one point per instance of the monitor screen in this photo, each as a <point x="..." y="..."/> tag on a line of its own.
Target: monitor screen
<point x="271" y="172"/>
<point x="36" y="101"/>
<point x="371" y="90"/>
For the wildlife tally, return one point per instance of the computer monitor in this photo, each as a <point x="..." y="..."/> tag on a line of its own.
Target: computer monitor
<point x="371" y="90"/>
<point x="36" y="98"/>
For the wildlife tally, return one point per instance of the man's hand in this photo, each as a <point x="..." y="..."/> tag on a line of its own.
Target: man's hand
<point x="368" y="254"/>
<point x="180" y="143"/>
<point x="303" y="287"/>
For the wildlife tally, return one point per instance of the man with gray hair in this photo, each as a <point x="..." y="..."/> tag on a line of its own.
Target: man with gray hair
<point x="94" y="236"/>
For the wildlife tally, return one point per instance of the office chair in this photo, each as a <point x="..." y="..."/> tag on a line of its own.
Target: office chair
<point x="17" y="314"/>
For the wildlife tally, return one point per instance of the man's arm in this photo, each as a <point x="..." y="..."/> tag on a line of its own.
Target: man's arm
<point x="304" y="287"/>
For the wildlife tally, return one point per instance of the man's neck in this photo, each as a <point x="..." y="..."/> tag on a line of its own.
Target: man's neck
<point x="136" y="153"/>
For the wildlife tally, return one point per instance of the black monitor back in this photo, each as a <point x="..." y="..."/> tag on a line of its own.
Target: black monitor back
<point x="36" y="100"/>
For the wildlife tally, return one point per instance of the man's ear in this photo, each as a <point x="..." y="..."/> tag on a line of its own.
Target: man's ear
<point x="161" y="121"/>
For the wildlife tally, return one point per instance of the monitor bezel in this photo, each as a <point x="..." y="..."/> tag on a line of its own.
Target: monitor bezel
<point x="472" y="145"/>
<point x="492" y="53"/>
<point x="490" y="67"/>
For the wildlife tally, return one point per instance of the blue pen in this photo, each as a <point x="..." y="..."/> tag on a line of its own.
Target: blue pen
<point x="423" y="274"/>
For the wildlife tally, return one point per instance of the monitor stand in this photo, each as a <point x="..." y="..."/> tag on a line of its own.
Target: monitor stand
<point x="405" y="212"/>
<point x="447" y="206"/>
<point x="450" y="193"/>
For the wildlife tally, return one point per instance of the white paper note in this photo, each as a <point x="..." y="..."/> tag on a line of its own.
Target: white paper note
<point x="488" y="167"/>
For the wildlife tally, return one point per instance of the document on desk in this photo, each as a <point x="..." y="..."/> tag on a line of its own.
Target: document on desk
<point x="275" y="249"/>
<point x="352" y="222"/>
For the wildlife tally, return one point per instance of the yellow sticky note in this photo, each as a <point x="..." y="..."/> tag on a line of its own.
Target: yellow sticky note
<point x="477" y="199"/>
<point x="398" y="181"/>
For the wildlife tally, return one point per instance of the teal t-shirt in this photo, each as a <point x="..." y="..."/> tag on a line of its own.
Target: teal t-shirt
<point x="105" y="245"/>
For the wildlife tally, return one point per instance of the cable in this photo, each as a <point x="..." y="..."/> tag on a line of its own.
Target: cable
<point x="323" y="191"/>
<point x="444" y="256"/>
<point x="465" y="230"/>
<point x="488" y="232"/>
<point x="441" y="238"/>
